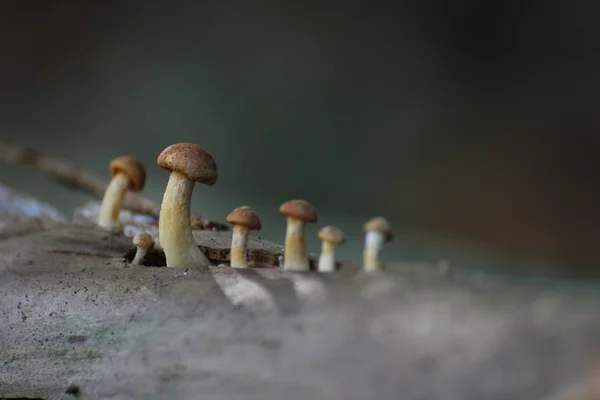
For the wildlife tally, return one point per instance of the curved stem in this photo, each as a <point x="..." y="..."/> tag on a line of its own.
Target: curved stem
<point x="327" y="257"/>
<point x="111" y="202"/>
<point x="139" y="255"/>
<point x="174" y="230"/>
<point x="239" y="240"/>
<point x="295" y="258"/>
<point x="373" y="246"/>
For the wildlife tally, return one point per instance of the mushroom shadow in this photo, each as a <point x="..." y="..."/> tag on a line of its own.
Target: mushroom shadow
<point x="282" y="291"/>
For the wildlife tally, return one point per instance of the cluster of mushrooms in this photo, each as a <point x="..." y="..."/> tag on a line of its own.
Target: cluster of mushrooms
<point x="189" y="163"/>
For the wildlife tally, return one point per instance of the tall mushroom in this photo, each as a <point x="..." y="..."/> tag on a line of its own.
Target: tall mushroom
<point x="378" y="231"/>
<point x="188" y="163"/>
<point x="332" y="237"/>
<point x="298" y="212"/>
<point x="127" y="174"/>
<point x="243" y="220"/>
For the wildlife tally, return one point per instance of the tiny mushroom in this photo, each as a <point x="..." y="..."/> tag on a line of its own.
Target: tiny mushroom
<point x="127" y="174"/>
<point x="332" y="237"/>
<point x="143" y="242"/>
<point x="298" y="212"/>
<point x="378" y="231"/>
<point x="188" y="163"/>
<point x="243" y="220"/>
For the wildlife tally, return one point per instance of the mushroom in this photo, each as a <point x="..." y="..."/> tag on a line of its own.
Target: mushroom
<point x="188" y="163"/>
<point x="243" y="219"/>
<point x="378" y="231"/>
<point x="127" y="174"/>
<point x="298" y="212"/>
<point x="332" y="237"/>
<point x="143" y="241"/>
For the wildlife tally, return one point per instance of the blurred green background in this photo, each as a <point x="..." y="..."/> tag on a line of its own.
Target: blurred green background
<point x="472" y="126"/>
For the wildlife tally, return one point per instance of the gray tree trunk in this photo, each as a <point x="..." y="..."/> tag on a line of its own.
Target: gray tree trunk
<point x="76" y="320"/>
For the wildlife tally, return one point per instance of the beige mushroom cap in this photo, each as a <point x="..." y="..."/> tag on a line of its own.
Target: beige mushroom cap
<point x="142" y="239"/>
<point x="379" y="224"/>
<point x="131" y="167"/>
<point x="300" y="209"/>
<point x="331" y="234"/>
<point x="190" y="160"/>
<point x="245" y="216"/>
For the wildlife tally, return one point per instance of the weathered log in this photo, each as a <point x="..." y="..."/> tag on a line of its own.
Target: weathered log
<point x="78" y="320"/>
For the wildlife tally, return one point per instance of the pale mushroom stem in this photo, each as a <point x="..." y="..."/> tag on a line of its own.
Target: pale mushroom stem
<point x="239" y="241"/>
<point x="373" y="245"/>
<point x="174" y="229"/>
<point x="295" y="250"/>
<point x="111" y="202"/>
<point x="327" y="257"/>
<point x="139" y="255"/>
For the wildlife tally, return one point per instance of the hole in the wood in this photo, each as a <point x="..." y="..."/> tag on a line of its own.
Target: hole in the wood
<point x="73" y="390"/>
<point x="156" y="258"/>
<point x="21" y="398"/>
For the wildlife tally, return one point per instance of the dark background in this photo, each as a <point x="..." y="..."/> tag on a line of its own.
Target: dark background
<point x="472" y="126"/>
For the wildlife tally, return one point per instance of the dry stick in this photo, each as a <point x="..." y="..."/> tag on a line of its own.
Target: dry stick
<point x="70" y="174"/>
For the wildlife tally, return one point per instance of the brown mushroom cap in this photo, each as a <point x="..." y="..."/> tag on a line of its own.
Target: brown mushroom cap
<point x="132" y="168"/>
<point x="191" y="160"/>
<point x="379" y="224"/>
<point x="142" y="239"/>
<point x="245" y="216"/>
<point x="300" y="209"/>
<point x="331" y="234"/>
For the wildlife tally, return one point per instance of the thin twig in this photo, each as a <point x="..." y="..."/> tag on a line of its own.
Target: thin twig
<point x="74" y="176"/>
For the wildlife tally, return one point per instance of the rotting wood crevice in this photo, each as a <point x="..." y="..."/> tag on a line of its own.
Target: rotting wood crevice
<point x="22" y="398"/>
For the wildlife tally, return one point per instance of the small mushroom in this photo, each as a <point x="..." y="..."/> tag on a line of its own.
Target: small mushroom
<point x="188" y="163"/>
<point x="298" y="212"/>
<point x="332" y="237"/>
<point x="378" y="231"/>
<point x="243" y="220"/>
<point x="127" y="174"/>
<point x="143" y="242"/>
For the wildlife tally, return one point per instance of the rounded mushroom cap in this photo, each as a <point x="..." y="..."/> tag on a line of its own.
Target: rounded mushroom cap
<point x="245" y="216"/>
<point x="191" y="160"/>
<point x="142" y="239"/>
<point x="331" y="234"/>
<point x="300" y="209"/>
<point x="379" y="224"/>
<point x="132" y="168"/>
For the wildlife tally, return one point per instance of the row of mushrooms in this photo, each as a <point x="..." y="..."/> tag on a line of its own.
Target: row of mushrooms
<point x="189" y="164"/>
